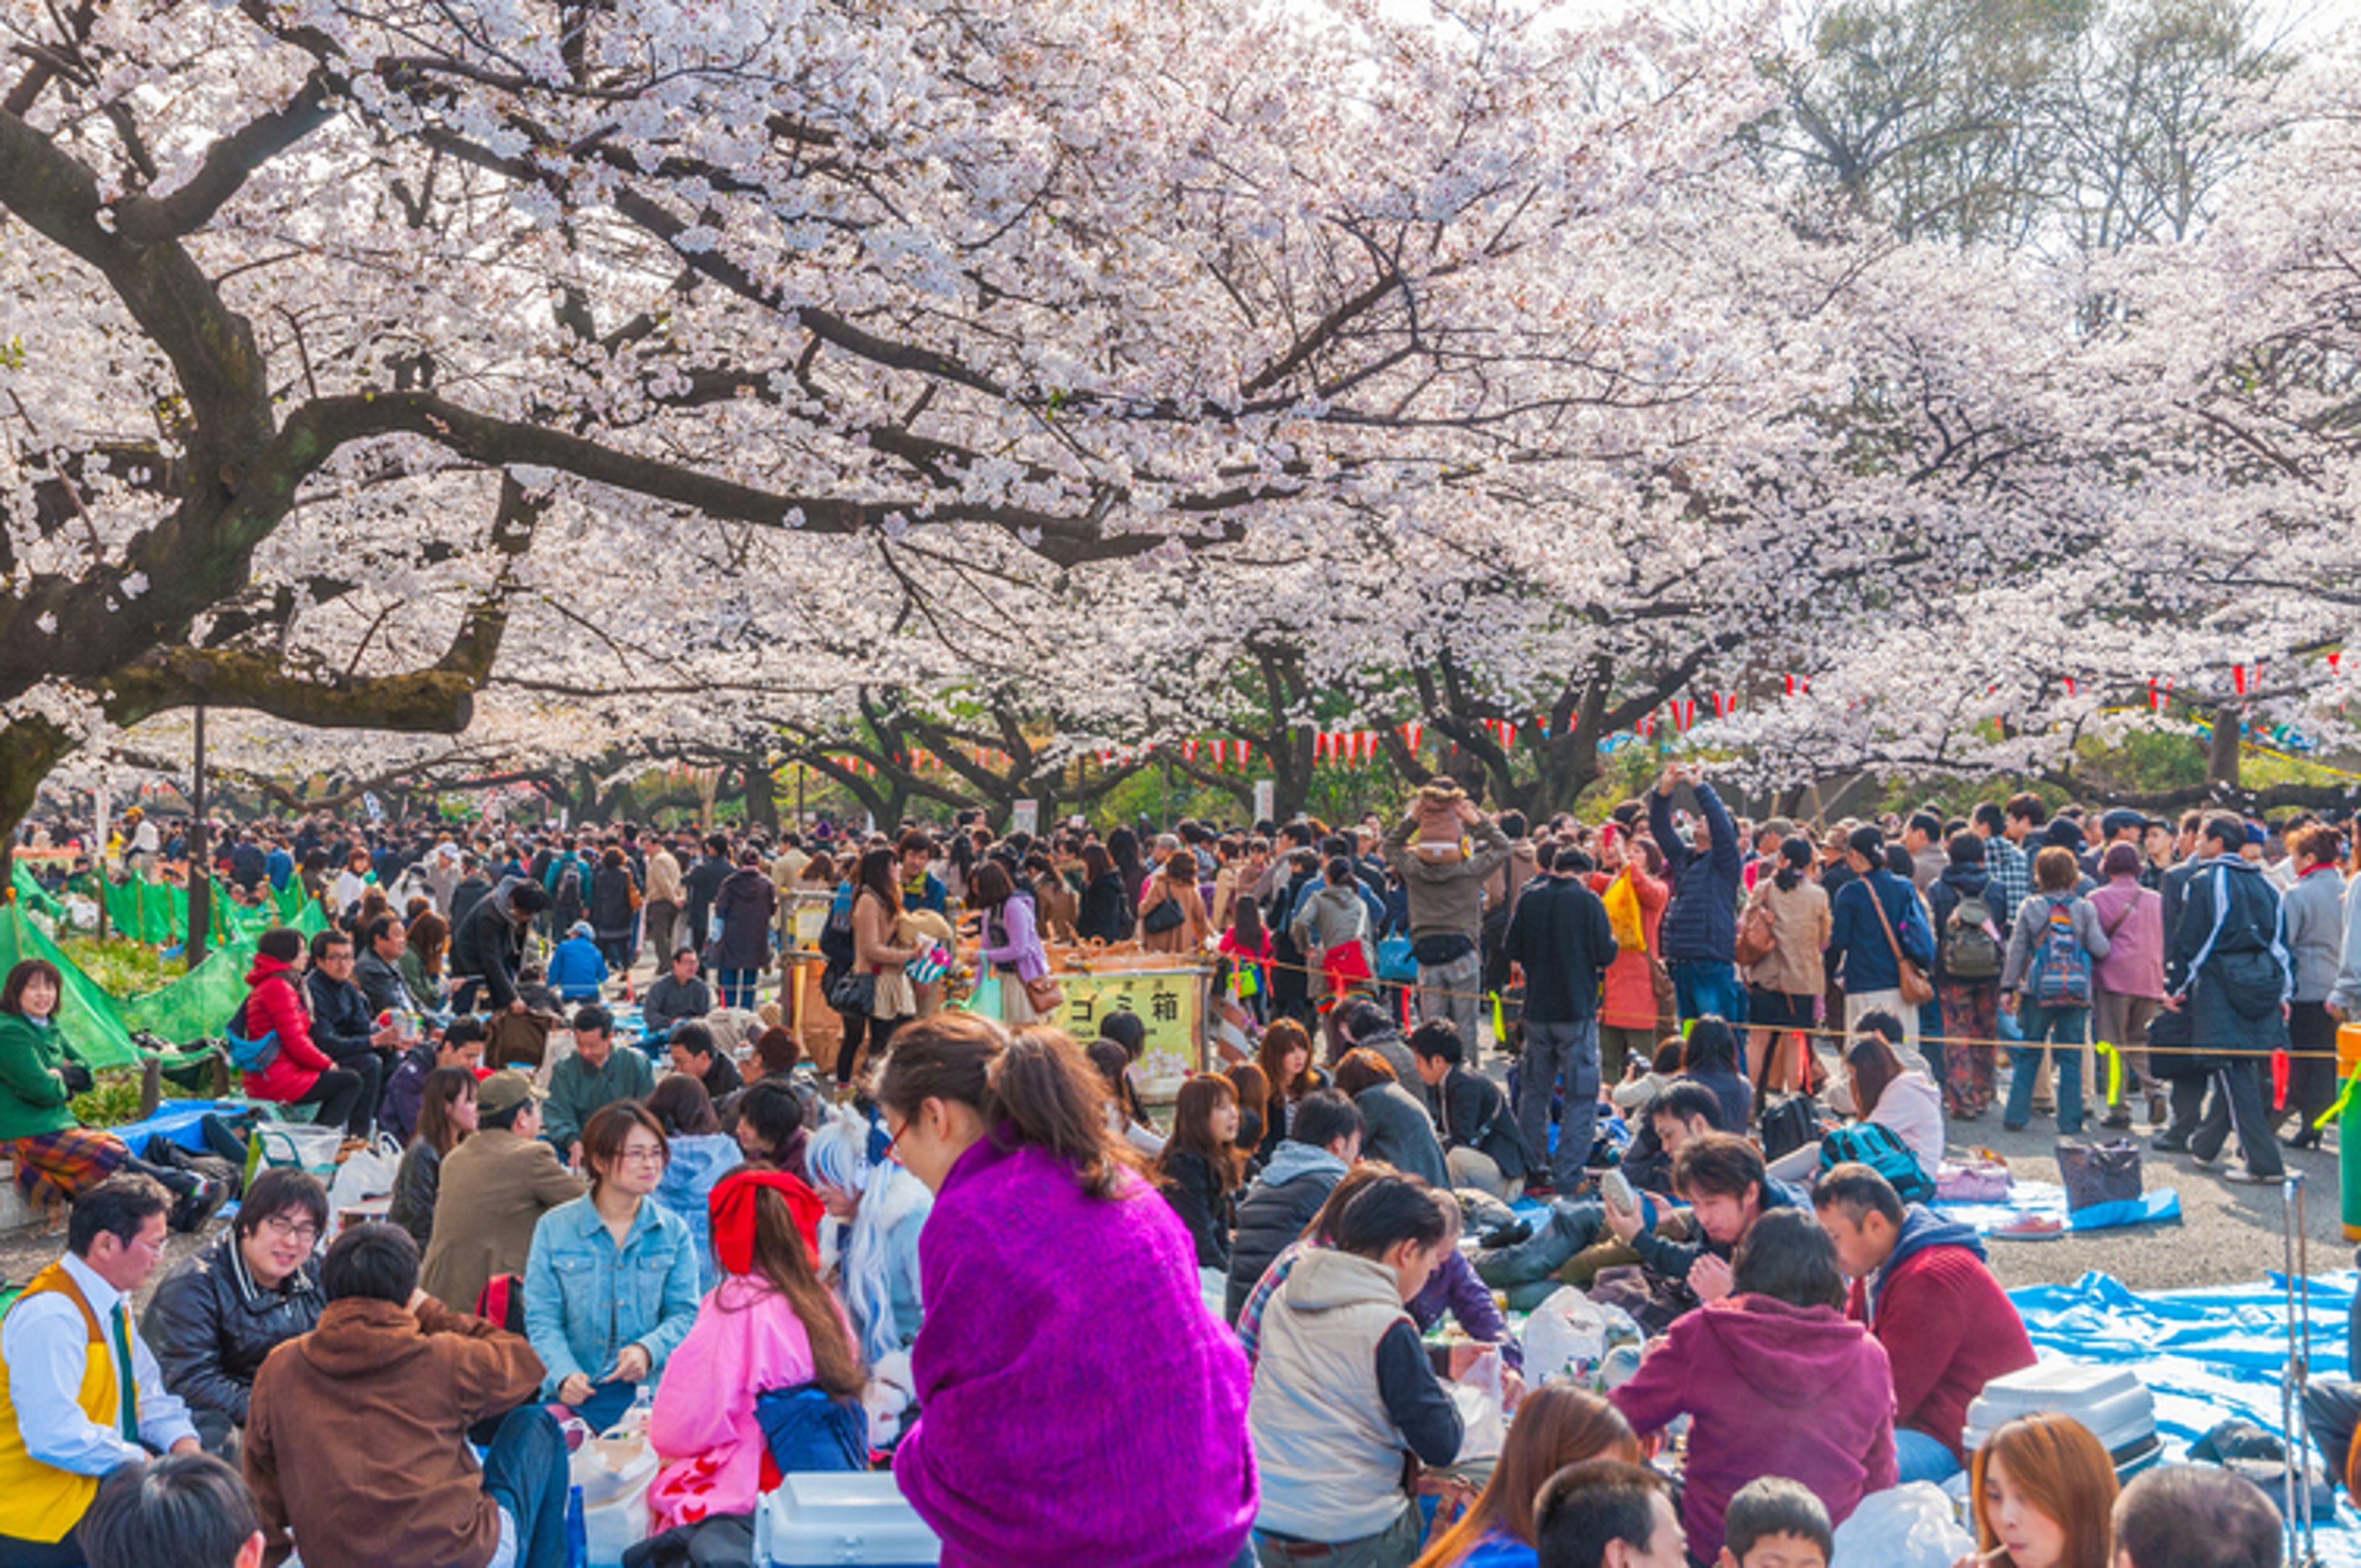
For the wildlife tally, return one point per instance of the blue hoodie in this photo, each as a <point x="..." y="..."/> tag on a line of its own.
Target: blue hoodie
<point x="1922" y="1228"/>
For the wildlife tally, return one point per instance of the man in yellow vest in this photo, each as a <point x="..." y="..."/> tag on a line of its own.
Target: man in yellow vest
<point x="80" y="1392"/>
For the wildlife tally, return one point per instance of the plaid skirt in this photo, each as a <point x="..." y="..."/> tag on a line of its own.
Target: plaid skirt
<point x="67" y="1162"/>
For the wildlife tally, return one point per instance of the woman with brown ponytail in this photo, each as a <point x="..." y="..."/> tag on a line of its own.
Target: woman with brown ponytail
<point x="1044" y="1233"/>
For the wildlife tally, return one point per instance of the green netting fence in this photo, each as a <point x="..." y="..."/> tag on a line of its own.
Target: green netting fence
<point x="97" y="1026"/>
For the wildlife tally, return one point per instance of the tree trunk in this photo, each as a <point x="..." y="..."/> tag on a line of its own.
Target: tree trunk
<point x="2223" y="752"/>
<point x="30" y="747"/>
<point x="762" y="796"/>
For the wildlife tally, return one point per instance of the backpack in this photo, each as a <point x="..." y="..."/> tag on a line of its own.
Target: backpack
<point x="1878" y="1148"/>
<point x="248" y="1056"/>
<point x="1970" y="951"/>
<point x="1788" y="1124"/>
<point x="2061" y="966"/>
<point x="567" y="905"/>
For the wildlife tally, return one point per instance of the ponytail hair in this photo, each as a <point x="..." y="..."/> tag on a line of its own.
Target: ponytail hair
<point x="1035" y="1089"/>
<point x="1795" y="860"/>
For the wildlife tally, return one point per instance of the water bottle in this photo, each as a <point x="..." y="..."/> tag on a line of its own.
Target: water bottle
<point x="644" y="1409"/>
<point x="578" y="1534"/>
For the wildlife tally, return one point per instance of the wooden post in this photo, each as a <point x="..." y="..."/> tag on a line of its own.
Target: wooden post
<point x="201" y="869"/>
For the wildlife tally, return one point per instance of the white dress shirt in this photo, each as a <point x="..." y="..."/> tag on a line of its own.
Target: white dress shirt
<point x="44" y="1342"/>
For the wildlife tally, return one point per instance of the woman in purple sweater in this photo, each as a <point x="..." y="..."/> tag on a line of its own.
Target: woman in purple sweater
<point x="1044" y="1439"/>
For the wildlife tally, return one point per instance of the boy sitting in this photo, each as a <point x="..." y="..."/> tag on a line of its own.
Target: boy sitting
<point x="1773" y="1522"/>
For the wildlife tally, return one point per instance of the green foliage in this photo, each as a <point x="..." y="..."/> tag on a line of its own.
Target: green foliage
<point x="123" y="967"/>
<point x="113" y="1099"/>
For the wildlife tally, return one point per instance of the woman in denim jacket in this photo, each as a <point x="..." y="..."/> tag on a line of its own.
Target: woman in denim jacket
<point x="610" y="1286"/>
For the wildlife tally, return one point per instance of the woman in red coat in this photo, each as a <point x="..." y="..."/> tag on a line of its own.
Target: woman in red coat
<point x="1628" y="1015"/>
<point x="298" y="1073"/>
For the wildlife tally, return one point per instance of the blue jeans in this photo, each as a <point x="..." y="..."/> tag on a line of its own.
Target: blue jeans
<point x="524" y="1472"/>
<point x="1708" y="985"/>
<point x="737" y="988"/>
<point x="1921" y="1458"/>
<point x="2063" y="1026"/>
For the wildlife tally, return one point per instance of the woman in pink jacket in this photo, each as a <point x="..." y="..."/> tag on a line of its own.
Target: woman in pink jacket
<point x="770" y="1325"/>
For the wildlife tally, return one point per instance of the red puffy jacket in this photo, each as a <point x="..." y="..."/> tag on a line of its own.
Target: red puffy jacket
<point x="274" y="1003"/>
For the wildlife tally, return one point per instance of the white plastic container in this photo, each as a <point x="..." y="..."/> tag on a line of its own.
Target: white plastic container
<point x="2110" y="1400"/>
<point x="844" y="1517"/>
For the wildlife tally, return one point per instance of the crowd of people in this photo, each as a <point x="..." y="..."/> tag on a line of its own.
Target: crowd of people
<point x="754" y="1244"/>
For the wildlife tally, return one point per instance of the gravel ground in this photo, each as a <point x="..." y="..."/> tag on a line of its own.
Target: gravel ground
<point x="2228" y="1234"/>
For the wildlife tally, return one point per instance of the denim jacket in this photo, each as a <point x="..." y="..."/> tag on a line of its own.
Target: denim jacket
<point x="584" y="1301"/>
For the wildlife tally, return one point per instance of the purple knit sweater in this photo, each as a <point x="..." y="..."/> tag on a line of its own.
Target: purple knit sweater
<point x="1081" y="1407"/>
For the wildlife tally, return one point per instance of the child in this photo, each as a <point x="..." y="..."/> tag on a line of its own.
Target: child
<point x="1776" y="1523"/>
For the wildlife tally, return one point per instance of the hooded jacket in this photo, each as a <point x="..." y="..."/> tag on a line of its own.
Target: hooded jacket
<point x="274" y="1003"/>
<point x="1947" y="1326"/>
<point x="1446" y="897"/>
<point x="744" y="903"/>
<point x="1157" y="1421"/>
<point x="1769" y="1390"/>
<point x="1274" y="1212"/>
<point x="485" y="944"/>
<point x="375" y="1379"/>
<point x="1330" y="1418"/>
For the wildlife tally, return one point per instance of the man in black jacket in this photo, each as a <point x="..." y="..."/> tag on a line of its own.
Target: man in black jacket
<point x="2228" y="971"/>
<point x="1321" y="1146"/>
<point x="705" y="880"/>
<point x="1480" y="1140"/>
<point x="1561" y="937"/>
<point x="343" y="1028"/>
<point x="253" y="1288"/>
<point x="488" y="945"/>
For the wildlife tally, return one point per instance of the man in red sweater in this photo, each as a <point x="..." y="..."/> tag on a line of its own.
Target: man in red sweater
<point x="1920" y="1285"/>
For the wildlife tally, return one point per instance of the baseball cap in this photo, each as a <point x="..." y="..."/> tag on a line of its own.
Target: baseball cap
<point x="504" y="1091"/>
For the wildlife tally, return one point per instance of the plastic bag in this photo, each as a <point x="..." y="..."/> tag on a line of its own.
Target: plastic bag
<point x="614" y="1473"/>
<point x="1483" y="1401"/>
<point x="366" y="1173"/>
<point x="1565" y="1339"/>
<point x="1907" y="1526"/>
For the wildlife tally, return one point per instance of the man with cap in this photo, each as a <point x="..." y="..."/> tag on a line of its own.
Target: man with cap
<point x="2122" y="825"/>
<point x="496" y="1186"/>
<point x="577" y="967"/>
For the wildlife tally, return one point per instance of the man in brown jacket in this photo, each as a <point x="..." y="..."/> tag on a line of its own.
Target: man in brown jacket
<point x="357" y="1435"/>
<point x="495" y="1188"/>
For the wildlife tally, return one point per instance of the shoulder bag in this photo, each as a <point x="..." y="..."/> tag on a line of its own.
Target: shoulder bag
<point x="1757" y="933"/>
<point x="1913" y="984"/>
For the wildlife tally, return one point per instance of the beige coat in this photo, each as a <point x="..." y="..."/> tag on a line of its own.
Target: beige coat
<point x="1799" y="937"/>
<point x="1189" y="937"/>
<point x="495" y="1188"/>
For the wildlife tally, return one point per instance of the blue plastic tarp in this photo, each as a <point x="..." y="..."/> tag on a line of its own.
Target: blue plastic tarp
<point x="2208" y="1355"/>
<point x="2047" y="1198"/>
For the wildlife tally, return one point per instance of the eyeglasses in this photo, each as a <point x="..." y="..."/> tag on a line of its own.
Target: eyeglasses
<point x="293" y="1230"/>
<point x="643" y="1154"/>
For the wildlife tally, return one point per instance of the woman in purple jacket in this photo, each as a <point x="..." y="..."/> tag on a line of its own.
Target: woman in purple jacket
<point x="1043" y="1234"/>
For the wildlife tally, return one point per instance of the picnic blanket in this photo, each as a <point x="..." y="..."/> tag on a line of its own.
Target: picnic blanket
<point x="2208" y="1355"/>
<point x="2047" y="1198"/>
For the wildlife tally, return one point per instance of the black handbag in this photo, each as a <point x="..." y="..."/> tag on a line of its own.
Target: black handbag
<point x="1164" y="917"/>
<point x="2169" y="1036"/>
<point x="854" y="994"/>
